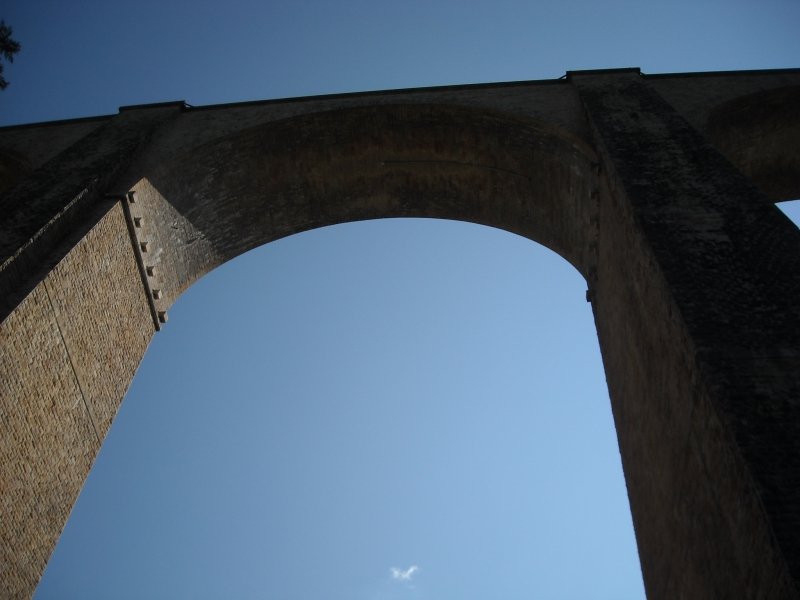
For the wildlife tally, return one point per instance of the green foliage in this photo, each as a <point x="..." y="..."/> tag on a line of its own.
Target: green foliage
<point x="8" y="48"/>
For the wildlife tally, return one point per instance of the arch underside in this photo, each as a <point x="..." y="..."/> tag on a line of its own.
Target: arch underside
<point x="439" y="161"/>
<point x="759" y="134"/>
<point x="446" y="162"/>
<point x="693" y="279"/>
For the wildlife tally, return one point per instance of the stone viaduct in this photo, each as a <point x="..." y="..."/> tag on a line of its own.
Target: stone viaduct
<point x="658" y="189"/>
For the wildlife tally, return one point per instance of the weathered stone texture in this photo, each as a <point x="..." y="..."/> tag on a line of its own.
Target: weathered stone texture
<point x="693" y="274"/>
<point x="708" y="252"/>
<point x="671" y="439"/>
<point x="67" y="355"/>
<point x="48" y="441"/>
<point x="281" y="178"/>
<point x="100" y="305"/>
<point x="553" y="102"/>
<point x="41" y="142"/>
<point x="46" y="208"/>
<point x="758" y="133"/>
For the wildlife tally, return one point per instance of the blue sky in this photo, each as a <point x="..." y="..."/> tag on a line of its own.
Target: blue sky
<point x="371" y="396"/>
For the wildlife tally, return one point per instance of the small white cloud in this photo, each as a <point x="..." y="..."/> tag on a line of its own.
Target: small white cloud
<point x="401" y="575"/>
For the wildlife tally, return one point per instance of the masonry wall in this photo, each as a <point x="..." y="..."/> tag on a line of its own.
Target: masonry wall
<point x="699" y="328"/>
<point x="67" y="355"/>
<point x="693" y="274"/>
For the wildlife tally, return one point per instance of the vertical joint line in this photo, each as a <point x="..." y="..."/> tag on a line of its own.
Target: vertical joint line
<point x="72" y="365"/>
<point x="137" y="253"/>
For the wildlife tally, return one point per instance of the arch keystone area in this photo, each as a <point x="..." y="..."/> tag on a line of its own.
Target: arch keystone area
<point x="659" y="190"/>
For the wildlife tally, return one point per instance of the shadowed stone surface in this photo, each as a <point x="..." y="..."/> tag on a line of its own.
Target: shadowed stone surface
<point x="659" y="190"/>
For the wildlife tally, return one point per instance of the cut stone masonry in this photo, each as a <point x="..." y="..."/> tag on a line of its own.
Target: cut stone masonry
<point x="659" y="189"/>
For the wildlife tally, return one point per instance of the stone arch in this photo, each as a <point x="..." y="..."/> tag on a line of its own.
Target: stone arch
<point x="527" y="323"/>
<point x="692" y="274"/>
<point x="266" y="182"/>
<point x="758" y="132"/>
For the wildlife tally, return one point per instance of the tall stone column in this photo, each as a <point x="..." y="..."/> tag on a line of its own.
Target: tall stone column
<point x="76" y="318"/>
<point x="695" y="297"/>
